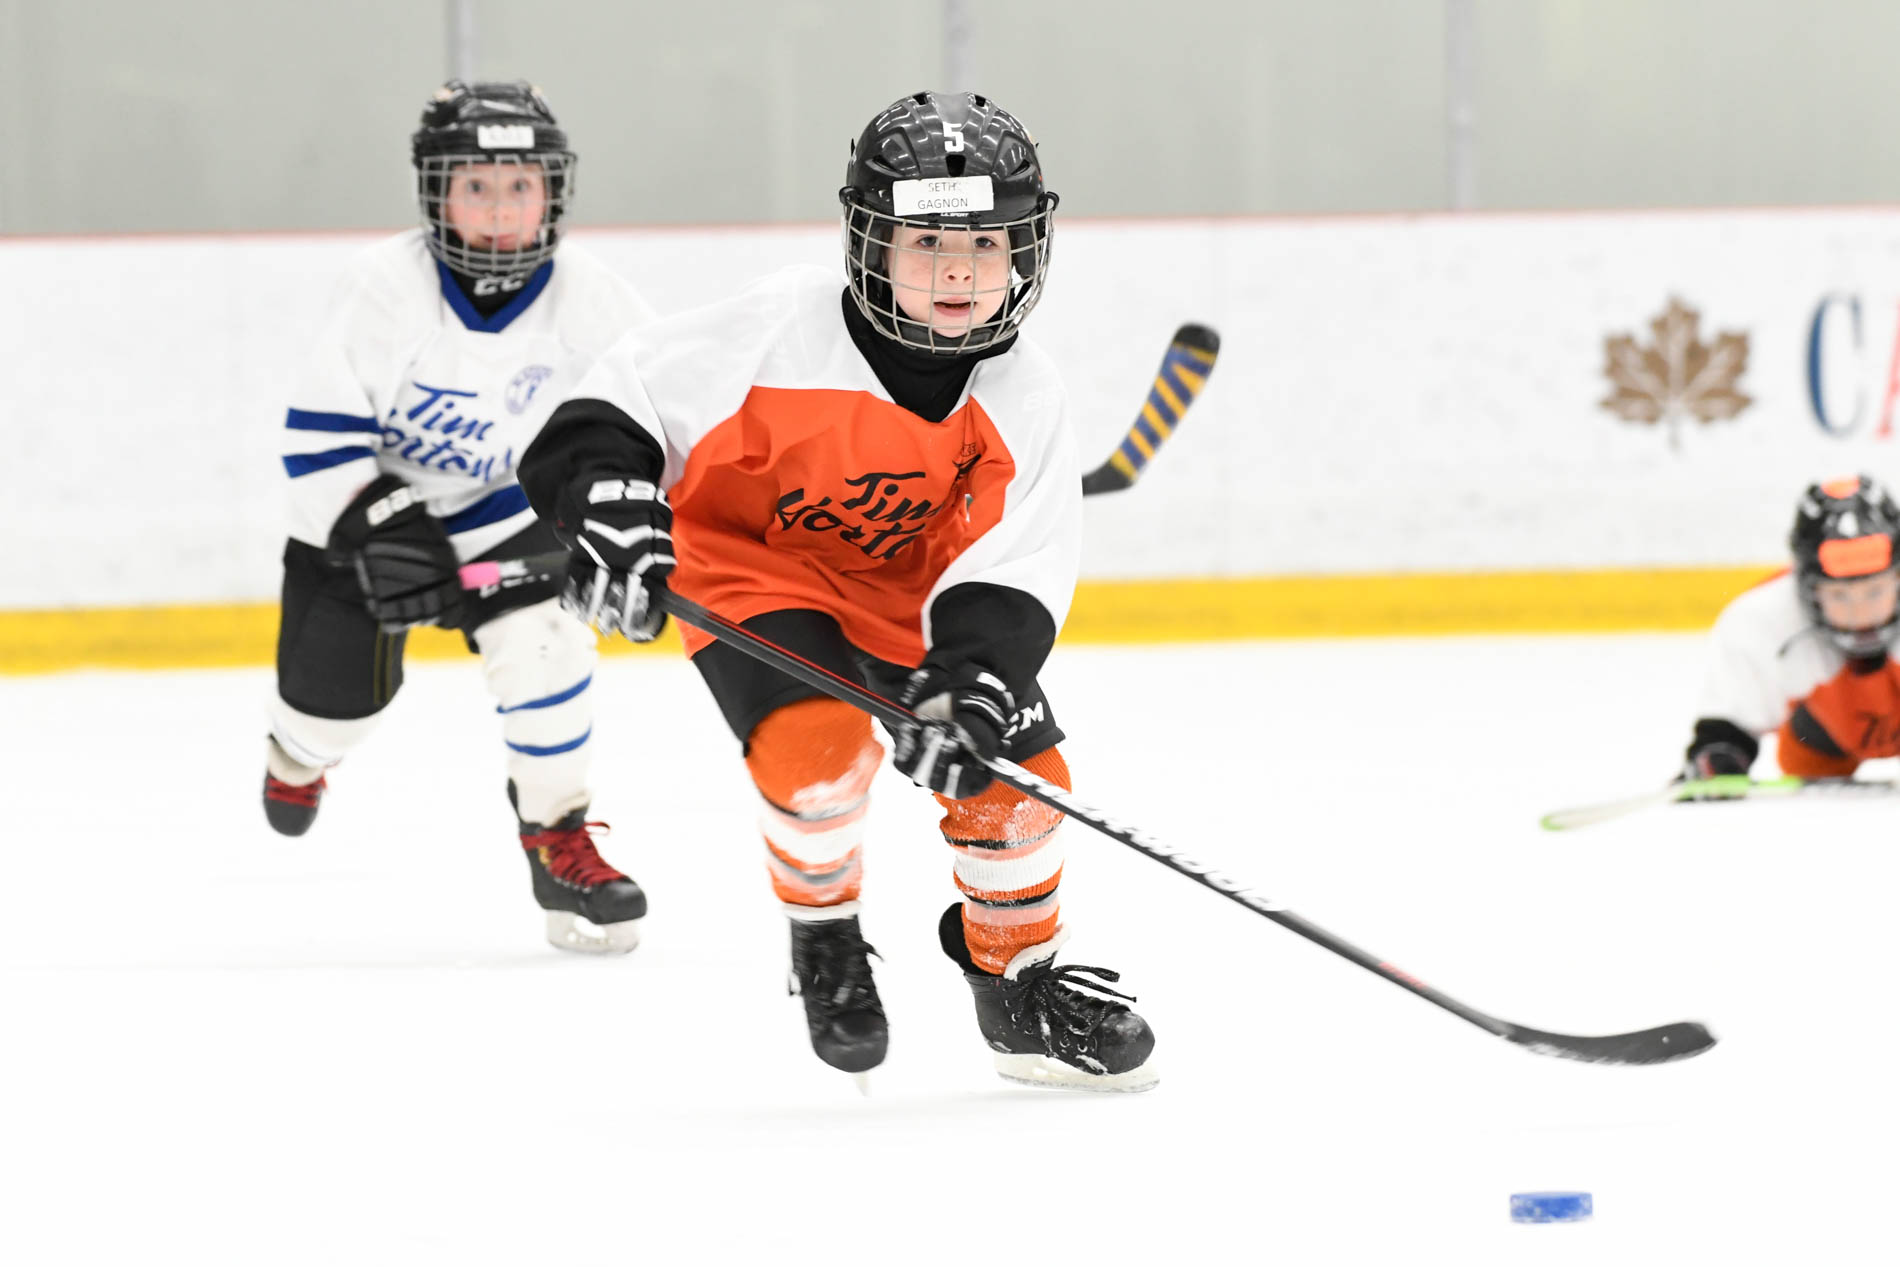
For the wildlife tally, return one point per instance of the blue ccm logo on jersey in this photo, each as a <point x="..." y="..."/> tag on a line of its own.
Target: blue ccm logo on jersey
<point x="447" y="440"/>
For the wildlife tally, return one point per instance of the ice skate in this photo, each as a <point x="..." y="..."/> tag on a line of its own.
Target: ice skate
<point x="1044" y="1029"/>
<point x="831" y="972"/>
<point x="572" y="882"/>
<point x="292" y="792"/>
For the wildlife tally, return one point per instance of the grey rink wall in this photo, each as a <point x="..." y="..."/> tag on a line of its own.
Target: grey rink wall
<point x="215" y="115"/>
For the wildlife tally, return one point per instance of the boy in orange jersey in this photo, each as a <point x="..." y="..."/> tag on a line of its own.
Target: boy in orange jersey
<point x="1805" y="655"/>
<point x="881" y="478"/>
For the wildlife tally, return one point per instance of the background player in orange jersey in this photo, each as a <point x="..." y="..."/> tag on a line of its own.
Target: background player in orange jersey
<point x="880" y="477"/>
<point x="1805" y="655"/>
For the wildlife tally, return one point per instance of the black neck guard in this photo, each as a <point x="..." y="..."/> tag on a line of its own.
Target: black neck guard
<point x="926" y="383"/>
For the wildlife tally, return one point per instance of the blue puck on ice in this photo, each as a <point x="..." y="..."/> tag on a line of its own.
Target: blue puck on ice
<point x="1550" y="1207"/>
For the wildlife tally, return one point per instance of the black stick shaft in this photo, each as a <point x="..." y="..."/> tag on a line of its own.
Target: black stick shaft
<point x="893" y="714"/>
<point x="1645" y="1047"/>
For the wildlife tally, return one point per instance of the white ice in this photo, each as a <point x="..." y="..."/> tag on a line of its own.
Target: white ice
<point x="225" y="1047"/>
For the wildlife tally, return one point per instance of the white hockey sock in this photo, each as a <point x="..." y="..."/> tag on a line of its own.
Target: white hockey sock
<point x="310" y="745"/>
<point x="539" y="664"/>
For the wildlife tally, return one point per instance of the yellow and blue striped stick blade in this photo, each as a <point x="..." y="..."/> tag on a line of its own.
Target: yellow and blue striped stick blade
<point x="1183" y="373"/>
<point x="1184" y="370"/>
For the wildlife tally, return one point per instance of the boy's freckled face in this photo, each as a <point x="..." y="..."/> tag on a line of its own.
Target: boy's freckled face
<point x="951" y="280"/>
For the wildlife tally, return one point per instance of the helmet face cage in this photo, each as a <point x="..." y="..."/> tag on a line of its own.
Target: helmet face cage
<point x="1855" y="644"/>
<point x="434" y="174"/>
<point x="1854" y="520"/>
<point x="999" y="266"/>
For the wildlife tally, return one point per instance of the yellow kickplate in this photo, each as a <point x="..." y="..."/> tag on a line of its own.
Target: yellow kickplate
<point x="1172" y="610"/>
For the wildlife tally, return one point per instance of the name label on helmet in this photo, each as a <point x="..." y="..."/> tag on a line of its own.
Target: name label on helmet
<point x="948" y="196"/>
<point x="504" y="136"/>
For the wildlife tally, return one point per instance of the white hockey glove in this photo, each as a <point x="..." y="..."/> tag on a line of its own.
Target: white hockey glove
<point x="622" y="534"/>
<point x="964" y="712"/>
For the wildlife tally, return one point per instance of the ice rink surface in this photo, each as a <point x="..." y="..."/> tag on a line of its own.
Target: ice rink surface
<point x="226" y="1047"/>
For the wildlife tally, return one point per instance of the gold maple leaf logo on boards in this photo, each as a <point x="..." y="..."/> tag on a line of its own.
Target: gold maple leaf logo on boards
<point x="1677" y="375"/>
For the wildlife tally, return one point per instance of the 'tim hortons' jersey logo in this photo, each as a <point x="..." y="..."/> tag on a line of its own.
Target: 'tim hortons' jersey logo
<point x="439" y="432"/>
<point x="885" y="512"/>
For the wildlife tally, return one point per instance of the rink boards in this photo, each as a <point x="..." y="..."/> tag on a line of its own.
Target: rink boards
<point x="1418" y="424"/>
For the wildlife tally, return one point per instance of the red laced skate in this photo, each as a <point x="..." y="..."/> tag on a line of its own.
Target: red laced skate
<point x="569" y="854"/>
<point x="572" y="880"/>
<point x="306" y="794"/>
<point x="291" y="807"/>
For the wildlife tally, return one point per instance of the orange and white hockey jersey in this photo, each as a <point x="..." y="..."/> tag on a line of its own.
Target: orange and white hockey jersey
<point x="797" y="483"/>
<point x="1772" y="670"/>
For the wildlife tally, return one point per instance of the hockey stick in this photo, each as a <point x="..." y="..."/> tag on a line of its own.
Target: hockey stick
<point x="1184" y="370"/>
<point x="1644" y="1047"/>
<point x="1723" y="787"/>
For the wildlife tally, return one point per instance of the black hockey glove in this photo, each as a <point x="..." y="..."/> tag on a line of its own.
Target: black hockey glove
<point x="964" y="713"/>
<point x="1714" y="760"/>
<point x="402" y="558"/>
<point x="621" y="531"/>
<point x="1719" y="747"/>
<point x="1711" y="763"/>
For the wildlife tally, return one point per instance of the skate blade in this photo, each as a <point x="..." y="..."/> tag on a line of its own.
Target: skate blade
<point x="863" y="1082"/>
<point x="567" y="931"/>
<point x="1044" y="1071"/>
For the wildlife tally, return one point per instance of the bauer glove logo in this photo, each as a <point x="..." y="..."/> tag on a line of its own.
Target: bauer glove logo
<point x="379" y="512"/>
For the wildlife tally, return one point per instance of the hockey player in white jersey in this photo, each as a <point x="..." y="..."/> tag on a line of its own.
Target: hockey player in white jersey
<point x="1805" y="655"/>
<point x="445" y="350"/>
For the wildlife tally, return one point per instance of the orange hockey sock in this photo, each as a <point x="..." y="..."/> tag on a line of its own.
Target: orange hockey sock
<point x="813" y="762"/>
<point x="1008" y="864"/>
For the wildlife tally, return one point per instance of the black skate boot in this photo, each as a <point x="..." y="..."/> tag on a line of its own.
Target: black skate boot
<point x="1044" y="1030"/>
<point x="572" y="879"/>
<point x="289" y="807"/>
<point x="831" y="970"/>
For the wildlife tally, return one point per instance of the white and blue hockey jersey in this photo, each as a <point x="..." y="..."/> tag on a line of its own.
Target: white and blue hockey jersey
<point x="408" y="379"/>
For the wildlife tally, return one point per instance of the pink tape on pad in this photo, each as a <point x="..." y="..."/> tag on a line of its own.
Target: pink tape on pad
<point x="476" y="575"/>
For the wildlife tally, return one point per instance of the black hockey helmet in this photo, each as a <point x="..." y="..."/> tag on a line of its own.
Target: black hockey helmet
<point x="503" y="124"/>
<point x="1843" y="529"/>
<point x="949" y="161"/>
